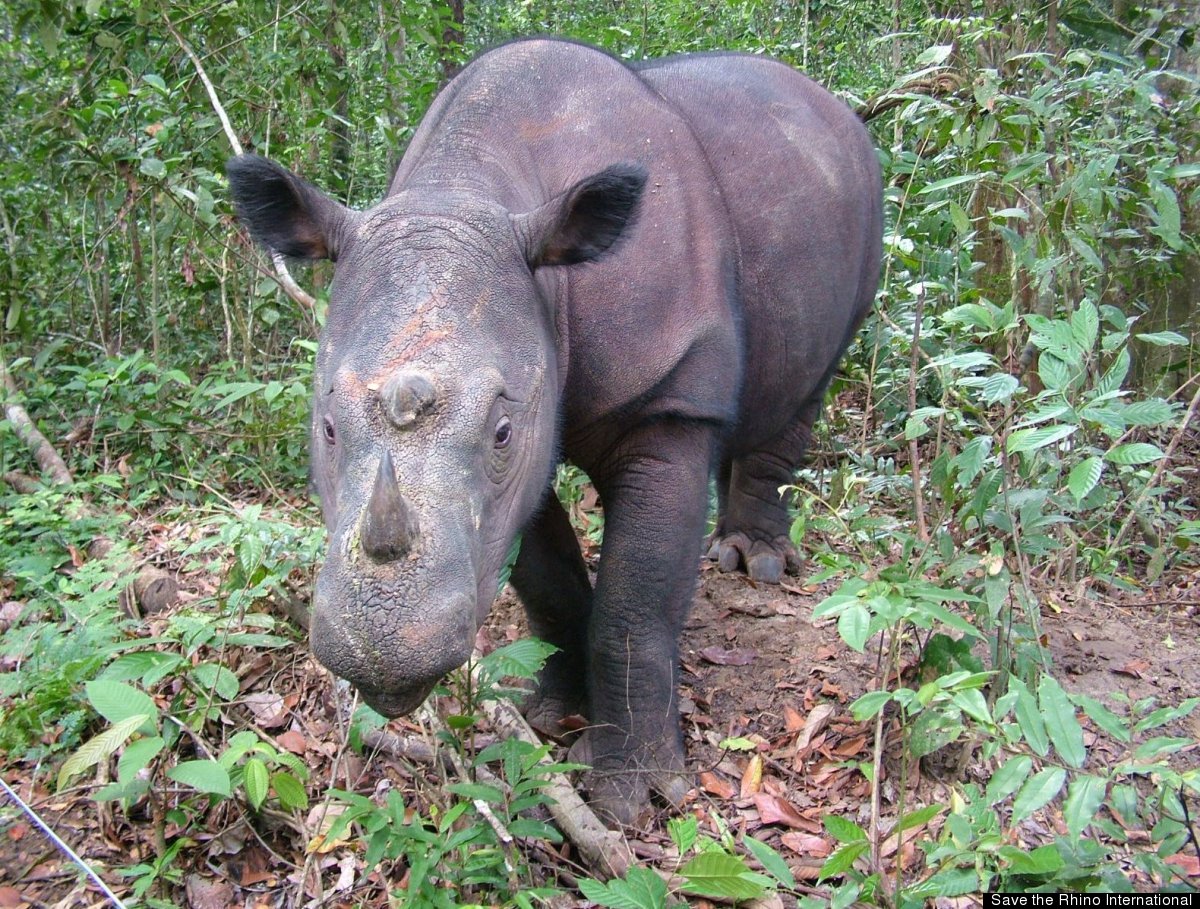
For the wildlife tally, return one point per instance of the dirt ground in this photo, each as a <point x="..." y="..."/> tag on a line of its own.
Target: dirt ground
<point x="754" y="665"/>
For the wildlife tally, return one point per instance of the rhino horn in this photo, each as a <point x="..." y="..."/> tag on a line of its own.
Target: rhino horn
<point x="390" y="523"/>
<point x="406" y="396"/>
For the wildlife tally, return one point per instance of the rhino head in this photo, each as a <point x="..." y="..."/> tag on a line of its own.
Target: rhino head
<point x="435" y="402"/>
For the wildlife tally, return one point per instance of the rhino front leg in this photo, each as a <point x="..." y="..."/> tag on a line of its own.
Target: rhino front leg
<point x="655" y="500"/>
<point x="553" y="584"/>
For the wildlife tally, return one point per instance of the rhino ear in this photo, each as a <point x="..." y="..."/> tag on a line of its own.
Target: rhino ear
<point x="586" y="221"/>
<point x="284" y="213"/>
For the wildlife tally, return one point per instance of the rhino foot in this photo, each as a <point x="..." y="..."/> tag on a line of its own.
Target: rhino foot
<point x="764" y="561"/>
<point x="620" y="795"/>
<point x="547" y="710"/>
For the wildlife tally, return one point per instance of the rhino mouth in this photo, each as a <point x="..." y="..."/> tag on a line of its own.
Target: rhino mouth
<point x="396" y="702"/>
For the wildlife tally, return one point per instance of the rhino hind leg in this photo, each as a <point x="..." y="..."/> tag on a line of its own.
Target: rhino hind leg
<point x="552" y="581"/>
<point x="753" y="521"/>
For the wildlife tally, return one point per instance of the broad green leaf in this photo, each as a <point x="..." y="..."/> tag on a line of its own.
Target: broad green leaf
<point x="970" y="460"/>
<point x="481" y="791"/>
<point x="1039" y="437"/>
<point x="1159" y="747"/>
<point x="684" y="832"/>
<point x="1029" y="718"/>
<point x="947" y="183"/>
<point x="153" y="167"/>
<point x="1042" y="861"/>
<point x="719" y="874"/>
<point x="1115" y="374"/>
<point x="99" y="748"/>
<point x="1085" y="325"/>
<point x="1084" y="476"/>
<point x="771" y="860"/>
<point x="842" y="830"/>
<point x="854" y="626"/>
<point x="918" y="818"/>
<point x="257" y="781"/>
<point x="214" y="677"/>
<point x="1162" y="338"/>
<point x="1103" y="717"/>
<point x="205" y="775"/>
<point x="641" y="889"/>
<point x="1061" y="725"/>
<point x="934" y="55"/>
<point x="869" y="704"/>
<point x="1133" y="453"/>
<point x="137" y="755"/>
<point x="1152" y="412"/>
<point x="843" y="859"/>
<point x="1085" y="795"/>
<point x="1038" y="791"/>
<point x="115" y="701"/>
<point x="1009" y="778"/>
<point x="291" y="793"/>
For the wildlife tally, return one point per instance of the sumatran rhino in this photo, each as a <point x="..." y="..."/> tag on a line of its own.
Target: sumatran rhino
<point x="651" y="272"/>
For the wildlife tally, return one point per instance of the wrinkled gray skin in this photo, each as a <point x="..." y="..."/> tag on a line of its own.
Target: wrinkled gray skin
<point x="652" y="273"/>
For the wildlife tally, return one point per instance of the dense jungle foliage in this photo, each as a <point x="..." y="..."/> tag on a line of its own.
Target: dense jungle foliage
<point x="1013" y="419"/>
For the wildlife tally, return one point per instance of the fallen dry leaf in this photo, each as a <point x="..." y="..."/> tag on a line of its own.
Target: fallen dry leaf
<point x="851" y="747"/>
<point x="722" y="657"/>
<point x="716" y="785"/>
<point x="775" y="810"/>
<point x="11" y="898"/>
<point x="752" y="777"/>
<point x="206" y="893"/>
<point x="1134" y="668"/>
<point x="816" y="721"/>
<point x="1189" y="864"/>
<point x="806" y="844"/>
<point x="292" y="741"/>
<point x="792" y="720"/>
<point x="268" y="708"/>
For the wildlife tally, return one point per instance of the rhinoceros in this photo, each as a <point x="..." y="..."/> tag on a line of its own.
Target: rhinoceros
<point x="650" y="271"/>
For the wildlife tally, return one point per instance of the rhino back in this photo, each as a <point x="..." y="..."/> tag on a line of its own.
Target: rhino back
<point x="801" y="182"/>
<point x="649" y="329"/>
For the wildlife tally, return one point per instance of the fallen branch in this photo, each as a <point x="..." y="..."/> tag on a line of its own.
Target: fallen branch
<point x="48" y="459"/>
<point x="152" y="589"/>
<point x="605" y="851"/>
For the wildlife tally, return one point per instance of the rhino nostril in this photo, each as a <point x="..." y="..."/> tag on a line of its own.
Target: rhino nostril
<point x="406" y="396"/>
<point x="389" y="522"/>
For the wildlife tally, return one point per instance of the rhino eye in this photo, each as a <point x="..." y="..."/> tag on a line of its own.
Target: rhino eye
<point x="328" y="431"/>
<point x="503" y="433"/>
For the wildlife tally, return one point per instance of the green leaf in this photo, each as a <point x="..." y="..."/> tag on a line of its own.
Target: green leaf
<point x="137" y="755"/>
<point x="1038" y="791"/>
<point x="1038" y="437"/>
<point x="1040" y="862"/>
<point x="1085" y="325"/>
<point x="1008" y="778"/>
<point x="684" y="831"/>
<point x="1103" y="717"/>
<point x="290" y="791"/>
<point x="481" y="791"/>
<point x="918" y="818"/>
<point x="939" y="185"/>
<point x="257" y="781"/>
<point x="641" y="889"/>
<point x="1084" y="798"/>
<point x="842" y="830"/>
<point x="843" y="859"/>
<point x="854" y="626"/>
<point x="971" y="459"/>
<point x="869" y="704"/>
<point x="99" y="748"/>
<point x="1061" y="725"/>
<point x="116" y="701"/>
<point x="1084" y="476"/>
<point x="1030" y="718"/>
<point x="205" y="775"/>
<point x="771" y="861"/>
<point x="153" y="167"/>
<point x="1152" y="412"/>
<point x="1163" y="338"/>
<point x="1134" y="453"/>
<point x="719" y="874"/>
<point x="213" y="677"/>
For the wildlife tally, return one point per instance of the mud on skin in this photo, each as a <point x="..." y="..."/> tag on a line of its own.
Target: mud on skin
<point x="651" y="272"/>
